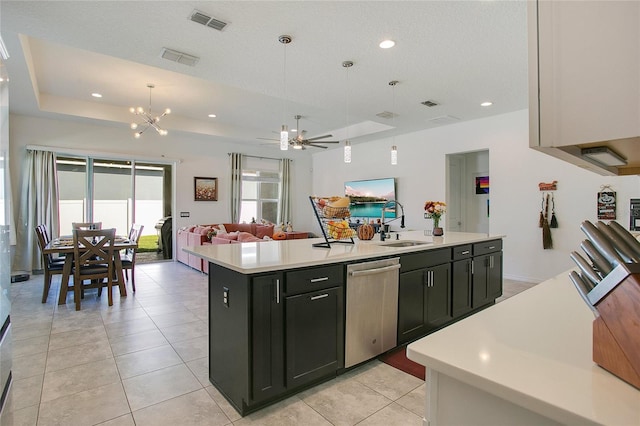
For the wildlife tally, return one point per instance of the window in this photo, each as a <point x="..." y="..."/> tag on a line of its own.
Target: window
<point x="260" y="190"/>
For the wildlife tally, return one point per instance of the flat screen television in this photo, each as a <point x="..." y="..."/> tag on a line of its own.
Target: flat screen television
<point x="368" y="197"/>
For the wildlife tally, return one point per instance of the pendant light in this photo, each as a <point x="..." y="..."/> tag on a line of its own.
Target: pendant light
<point x="394" y="148"/>
<point x="347" y="144"/>
<point x="148" y="118"/>
<point x="284" y="131"/>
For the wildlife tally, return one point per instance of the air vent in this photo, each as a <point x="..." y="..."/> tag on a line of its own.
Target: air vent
<point x="429" y="103"/>
<point x="444" y="119"/>
<point x="206" y="20"/>
<point x="386" y="114"/>
<point x="179" y="57"/>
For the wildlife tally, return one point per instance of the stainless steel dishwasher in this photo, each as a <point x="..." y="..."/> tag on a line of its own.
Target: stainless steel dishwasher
<point x="371" y="325"/>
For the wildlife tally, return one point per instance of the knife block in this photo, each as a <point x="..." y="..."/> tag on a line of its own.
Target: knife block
<point x="616" y="332"/>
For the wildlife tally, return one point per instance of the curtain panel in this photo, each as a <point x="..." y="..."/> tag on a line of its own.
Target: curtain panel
<point x="38" y="205"/>
<point x="236" y="186"/>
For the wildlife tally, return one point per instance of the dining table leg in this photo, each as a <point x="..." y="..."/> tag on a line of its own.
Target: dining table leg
<point x="120" y="274"/>
<point x="66" y="273"/>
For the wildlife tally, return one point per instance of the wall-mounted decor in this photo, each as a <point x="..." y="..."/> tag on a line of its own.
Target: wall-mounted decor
<point x="606" y="203"/>
<point x="551" y="186"/>
<point x="482" y="185"/>
<point x="205" y="189"/>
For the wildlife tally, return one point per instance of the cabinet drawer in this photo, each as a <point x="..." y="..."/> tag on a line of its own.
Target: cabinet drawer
<point x="461" y="252"/>
<point x="487" y="247"/>
<point x="410" y="262"/>
<point x="304" y="280"/>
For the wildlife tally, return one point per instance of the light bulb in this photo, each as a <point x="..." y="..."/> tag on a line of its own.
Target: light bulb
<point x="137" y="135"/>
<point x="163" y="132"/>
<point x="297" y="146"/>
<point x="139" y="110"/>
<point x="347" y="151"/>
<point x="132" y="110"/>
<point x="167" y="111"/>
<point x="284" y="138"/>
<point x="394" y="155"/>
<point x="134" y="126"/>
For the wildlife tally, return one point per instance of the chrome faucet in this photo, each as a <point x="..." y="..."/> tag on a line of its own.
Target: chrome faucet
<point x="384" y="209"/>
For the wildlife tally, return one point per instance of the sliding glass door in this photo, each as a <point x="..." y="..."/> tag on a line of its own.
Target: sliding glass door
<point x="112" y="194"/>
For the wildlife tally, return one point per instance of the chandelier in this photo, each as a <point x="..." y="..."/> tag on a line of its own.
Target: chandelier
<point x="148" y="118"/>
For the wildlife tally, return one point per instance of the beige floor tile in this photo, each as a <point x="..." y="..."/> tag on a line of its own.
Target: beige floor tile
<point x="85" y="408"/>
<point x="75" y="355"/>
<point x="392" y="414"/>
<point x="30" y="346"/>
<point x="290" y="412"/>
<point x="174" y="318"/>
<point x="186" y="331"/>
<point x="76" y="320"/>
<point x="112" y="316"/>
<point x="388" y="381"/>
<point x="77" y="337"/>
<point x="28" y="365"/>
<point x="145" y="361"/>
<point x="27" y="416"/>
<point x="41" y="328"/>
<point x="79" y="378"/>
<point x="200" y="368"/>
<point x="415" y="400"/>
<point x="123" y="328"/>
<point x="193" y="409"/>
<point x="222" y="402"/>
<point x="193" y="348"/>
<point x="24" y="393"/>
<point x="126" y="420"/>
<point x="163" y="309"/>
<point x="137" y="342"/>
<point x="160" y="385"/>
<point x="343" y="401"/>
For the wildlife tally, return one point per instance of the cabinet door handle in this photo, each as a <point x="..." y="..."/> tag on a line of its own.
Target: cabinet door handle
<point x="492" y="247"/>
<point x="465" y="252"/>
<point x="320" y="296"/>
<point x="473" y="262"/>
<point x="491" y="262"/>
<point x="277" y="291"/>
<point x="317" y="280"/>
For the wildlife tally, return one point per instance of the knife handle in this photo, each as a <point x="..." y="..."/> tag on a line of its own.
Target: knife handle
<point x="587" y="270"/>
<point x="601" y="243"/>
<point x="626" y="236"/>
<point x="618" y="243"/>
<point x="582" y="288"/>
<point x="596" y="257"/>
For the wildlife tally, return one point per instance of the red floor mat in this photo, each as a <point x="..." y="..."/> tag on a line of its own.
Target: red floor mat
<point x="397" y="358"/>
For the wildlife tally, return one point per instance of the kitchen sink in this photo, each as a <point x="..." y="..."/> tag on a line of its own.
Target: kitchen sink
<point x="405" y="243"/>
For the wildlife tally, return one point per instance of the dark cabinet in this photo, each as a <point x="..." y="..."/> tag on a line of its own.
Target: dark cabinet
<point x="314" y="330"/>
<point x="424" y="294"/>
<point x="267" y="337"/>
<point x="461" y="281"/>
<point x="487" y="272"/>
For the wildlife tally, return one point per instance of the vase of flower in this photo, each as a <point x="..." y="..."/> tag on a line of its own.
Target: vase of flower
<point x="434" y="210"/>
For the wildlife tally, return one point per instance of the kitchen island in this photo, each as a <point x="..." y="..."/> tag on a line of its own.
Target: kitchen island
<point x="527" y="360"/>
<point x="279" y="316"/>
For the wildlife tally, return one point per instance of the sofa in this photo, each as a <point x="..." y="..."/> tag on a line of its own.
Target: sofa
<point x="225" y="233"/>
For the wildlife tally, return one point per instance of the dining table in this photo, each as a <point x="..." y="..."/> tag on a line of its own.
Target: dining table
<point x="64" y="246"/>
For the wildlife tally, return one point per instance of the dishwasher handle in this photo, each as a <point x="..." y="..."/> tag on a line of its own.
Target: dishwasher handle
<point x="374" y="270"/>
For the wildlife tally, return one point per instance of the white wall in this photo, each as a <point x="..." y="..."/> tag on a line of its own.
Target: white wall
<point x="515" y="171"/>
<point x="199" y="155"/>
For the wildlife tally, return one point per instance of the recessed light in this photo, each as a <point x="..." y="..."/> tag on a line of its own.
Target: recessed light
<point x="212" y="116"/>
<point x="486" y="104"/>
<point x="387" y="44"/>
<point x="96" y="95"/>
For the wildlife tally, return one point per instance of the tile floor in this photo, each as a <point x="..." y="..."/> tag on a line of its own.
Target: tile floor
<point x="144" y="361"/>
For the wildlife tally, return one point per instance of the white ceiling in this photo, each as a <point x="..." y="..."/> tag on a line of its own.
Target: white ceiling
<point x="457" y="53"/>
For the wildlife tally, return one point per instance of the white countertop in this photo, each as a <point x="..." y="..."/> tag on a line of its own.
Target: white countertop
<point x="534" y="350"/>
<point x="268" y="256"/>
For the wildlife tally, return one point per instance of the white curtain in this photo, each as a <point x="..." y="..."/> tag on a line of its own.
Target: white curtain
<point x="38" y="205"/>
<point x="236" y="186"/>
<point x="284" y="207"/>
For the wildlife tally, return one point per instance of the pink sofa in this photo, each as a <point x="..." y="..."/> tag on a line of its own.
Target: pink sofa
<point x="197" y="235"/>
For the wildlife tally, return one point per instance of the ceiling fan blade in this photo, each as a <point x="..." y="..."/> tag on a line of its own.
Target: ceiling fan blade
<point x="322" y="141"/>
<point x="316" y="146"/>
<point x="268" y="139"/>
<point x="318" y="137"/>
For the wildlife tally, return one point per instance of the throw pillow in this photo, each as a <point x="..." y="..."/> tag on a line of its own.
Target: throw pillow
<point x="244" y="237"/>
<point x="228" y="235"/>
<point x="264" y="231"/>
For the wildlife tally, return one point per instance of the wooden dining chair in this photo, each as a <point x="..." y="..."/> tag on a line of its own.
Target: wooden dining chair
<point x="86" y="225"/>
<point x="93" y="251"/>
<point x="50" y="265"/>
<point x="128" y="258"/>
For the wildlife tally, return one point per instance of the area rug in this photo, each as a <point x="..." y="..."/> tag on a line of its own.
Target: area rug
<point x="397" y="358"/>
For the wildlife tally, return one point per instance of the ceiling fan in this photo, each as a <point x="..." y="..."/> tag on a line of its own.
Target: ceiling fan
<point x="299" y="142"/>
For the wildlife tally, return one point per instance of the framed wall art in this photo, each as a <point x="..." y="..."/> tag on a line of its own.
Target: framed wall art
<point x="482" y="184"/>
<point x="205" y="188"/>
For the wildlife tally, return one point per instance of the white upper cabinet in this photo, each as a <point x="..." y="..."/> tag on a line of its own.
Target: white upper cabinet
<point x="584" y="74"/>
